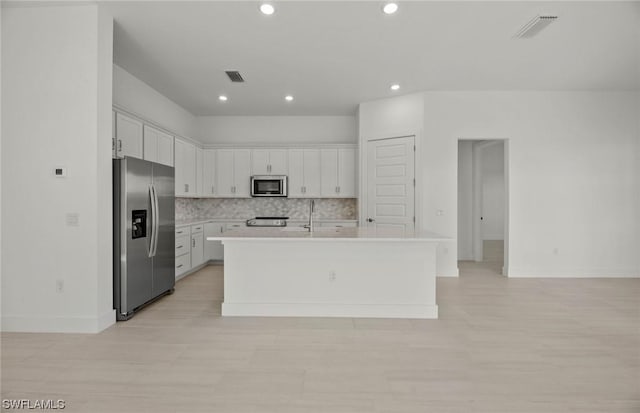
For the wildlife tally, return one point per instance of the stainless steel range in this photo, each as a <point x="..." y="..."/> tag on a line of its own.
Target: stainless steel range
<point x="267" y="222"/>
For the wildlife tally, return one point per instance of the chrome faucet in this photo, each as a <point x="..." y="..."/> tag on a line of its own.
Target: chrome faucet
<point x="312" y="205"/>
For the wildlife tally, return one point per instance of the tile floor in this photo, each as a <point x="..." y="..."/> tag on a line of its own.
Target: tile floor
<point x="500" y="346"/>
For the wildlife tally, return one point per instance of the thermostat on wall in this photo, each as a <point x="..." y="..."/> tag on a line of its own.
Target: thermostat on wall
<point x="59" y="171"/>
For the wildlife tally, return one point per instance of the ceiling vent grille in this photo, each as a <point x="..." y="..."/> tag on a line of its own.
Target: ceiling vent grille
<point x="534" y="26"/>
<point x="235" y="76"/>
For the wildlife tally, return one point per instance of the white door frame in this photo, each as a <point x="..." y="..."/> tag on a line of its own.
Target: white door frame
<point x="364" y="179"/>
<point x="477" y="198"/>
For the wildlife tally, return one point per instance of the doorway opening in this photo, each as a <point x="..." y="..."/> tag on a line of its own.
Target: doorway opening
<point x="483" y="204"/>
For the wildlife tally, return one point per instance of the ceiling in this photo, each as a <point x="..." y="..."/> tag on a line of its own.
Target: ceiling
<point x="332" y="55"/>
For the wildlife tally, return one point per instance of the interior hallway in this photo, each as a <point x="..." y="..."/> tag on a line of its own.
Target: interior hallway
<point x="500" y="345"/>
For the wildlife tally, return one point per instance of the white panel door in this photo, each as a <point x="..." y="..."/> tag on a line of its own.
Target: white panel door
<point x="224" y="172"/>
<point x="128" y="137"/>
<point x="278" y="164"/>
<point x="197" y="249"/>
<point x="329" y="173"/>
<point x="242" y="172"/>
<point x="189" y="164"/>
<point x="347" y="173"/>
<point x="390" y="183"/>
<point x="312" y="173"/>
<point x="213" y="250"/>
<point x="296" y="173"/>
<point x="209" y="173"/>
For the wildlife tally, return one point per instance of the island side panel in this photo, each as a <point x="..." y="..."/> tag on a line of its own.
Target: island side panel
<point x="391" y="279"/>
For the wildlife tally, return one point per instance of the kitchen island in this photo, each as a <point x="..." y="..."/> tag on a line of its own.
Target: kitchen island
<point x="331" y="272"/>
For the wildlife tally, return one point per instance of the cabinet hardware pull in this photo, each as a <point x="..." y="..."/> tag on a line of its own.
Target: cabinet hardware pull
<point x="120" y="145"/>
<point x="193" y="243"/>
<point x="179" y="246"/>
<point x="186" y="187"/>
<point x="179" y="266"/>
<point x="213" y="189"/>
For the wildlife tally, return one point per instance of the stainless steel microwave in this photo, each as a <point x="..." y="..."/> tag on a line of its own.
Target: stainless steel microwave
<point x="269" y="185"/>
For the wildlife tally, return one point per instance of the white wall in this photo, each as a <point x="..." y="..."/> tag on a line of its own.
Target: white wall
<point x="56" y="104"/>
<point x="492" y="170"/>
<point x="141" y="99"/>
<point x="275" y="129"/>
<point x="573" y="175"/>
<point x="465" y="200"/>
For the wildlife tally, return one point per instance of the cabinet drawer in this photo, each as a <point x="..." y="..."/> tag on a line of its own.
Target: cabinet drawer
<point x="197" y="228"/>
<point x="183" y="245"/>
<point x="183" y="263"/>
<point x="183" y="231"/>
<point x="234" y="225"/>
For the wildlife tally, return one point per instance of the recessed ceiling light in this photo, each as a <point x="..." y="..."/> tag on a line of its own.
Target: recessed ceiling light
<point x="390" y="8"/>
<point x="395" y="87"/>
<point x="288" y="98"/>
<point x="267" y="9"/>
<point x="222" y="98"/>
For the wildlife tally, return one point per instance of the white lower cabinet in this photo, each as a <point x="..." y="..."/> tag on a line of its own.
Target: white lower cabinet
<point x="183" y="250"/>
<point x="213" y="250"/>
<point x="197" y="245"/>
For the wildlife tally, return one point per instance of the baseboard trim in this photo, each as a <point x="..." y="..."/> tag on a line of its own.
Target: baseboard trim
<point x="330" y="310"/>
<point x="573" y="273"/>
<point x="48" y="324"/>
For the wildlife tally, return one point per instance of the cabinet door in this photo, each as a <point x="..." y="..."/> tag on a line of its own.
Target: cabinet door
<point x="213" y="250"/>
<point x="179" y="168"/>
<point x="190" y="169"/>
<point x="312" y="173"/>
<point x="128" y="137"/>
<point x="260" y="162"/>
<point x="278" y="162"/>
<point x="296" y="173"/>
<point x="165" y="149"/>
<point x="209" y="173"/>
<point x="199" y="172"/>
<point x="347" y="173"/>
<point x="224" y="172"/>
<point x="158" y="146"/>
<point x="242" y="172"/>
<point x="329" y="172"/>
<point x="113" y="134"/>
<point x="197" y="249"/>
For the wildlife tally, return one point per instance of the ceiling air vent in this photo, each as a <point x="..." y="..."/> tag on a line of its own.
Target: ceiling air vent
<point x="534" y="26"/>
<point x="235" y="76"/>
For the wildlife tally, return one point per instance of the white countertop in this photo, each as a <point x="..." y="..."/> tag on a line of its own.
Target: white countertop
<point x="324" y="234"/>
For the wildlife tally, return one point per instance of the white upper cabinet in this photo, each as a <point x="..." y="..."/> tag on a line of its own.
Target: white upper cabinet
<point x="158" y="146"/>
<point x="233" y="173"/>
<point x="199" y="171"/>
<point x="269" y="162"/>
<point x="338" y="178"/>
<point x="304" y="173"/>
<point x="128" y="137"/>
<point x="209" y="173"/>
<point x="185" y="169"/>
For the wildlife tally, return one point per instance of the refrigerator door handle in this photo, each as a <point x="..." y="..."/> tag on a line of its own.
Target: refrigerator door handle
<point x="156" y="221"/>
<point x="152" y="200"/>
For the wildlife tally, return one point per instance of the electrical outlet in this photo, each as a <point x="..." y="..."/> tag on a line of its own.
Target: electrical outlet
<point x="332" y="275"/>
<point x="59" y="286"/>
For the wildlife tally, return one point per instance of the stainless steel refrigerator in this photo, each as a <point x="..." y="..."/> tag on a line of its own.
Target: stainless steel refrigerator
<point x="143" y="234"/>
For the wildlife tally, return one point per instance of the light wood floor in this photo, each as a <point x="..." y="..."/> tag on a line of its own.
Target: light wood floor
<point x="500" y="346"/>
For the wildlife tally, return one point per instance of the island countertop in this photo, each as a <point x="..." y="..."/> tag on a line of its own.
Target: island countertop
<point x="326" y="234"/>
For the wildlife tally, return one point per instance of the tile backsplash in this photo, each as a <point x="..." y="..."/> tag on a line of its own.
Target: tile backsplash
<point x="246" y="208"/>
